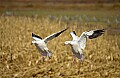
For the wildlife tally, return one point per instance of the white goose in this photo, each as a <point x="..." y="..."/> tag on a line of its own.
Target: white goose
<point x="79" y="43"/>
<point x="41" y="43"/>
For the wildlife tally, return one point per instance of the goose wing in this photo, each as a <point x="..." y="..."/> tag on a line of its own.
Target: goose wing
<point x="36" y="37"/>
<point x="90" y="34"/>
<point x="54" y="35"/>
<point x="73" y="34"/>
<point x="95" y="33"/>
<point x="82" y="40"/>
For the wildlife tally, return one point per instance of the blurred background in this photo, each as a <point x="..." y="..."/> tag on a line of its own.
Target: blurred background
<point x="20" y="18"/>
<point x="102" y="11"/>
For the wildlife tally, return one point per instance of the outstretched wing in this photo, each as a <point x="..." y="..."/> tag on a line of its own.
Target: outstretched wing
<point x="54" y="35"/>
<point x="82" y="40"/>
<point x="35" y="37"/>
<point x="95" y="33"/>
<point x="90" y="34"/>
<point x="73" y="34"/>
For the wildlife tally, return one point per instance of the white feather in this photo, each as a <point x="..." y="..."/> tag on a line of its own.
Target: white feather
<point x="35" y="38"/>
<point x="74" y="36"/>
<point x="82" y="40"/>
<point x="88" y="33"/>
<point x="50" y="37"/>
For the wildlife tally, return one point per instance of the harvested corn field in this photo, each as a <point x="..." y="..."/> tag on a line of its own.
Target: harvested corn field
<point x="20" y="59"/>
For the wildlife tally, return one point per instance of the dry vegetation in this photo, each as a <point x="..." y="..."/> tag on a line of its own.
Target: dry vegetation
<point x="18" y="58"/>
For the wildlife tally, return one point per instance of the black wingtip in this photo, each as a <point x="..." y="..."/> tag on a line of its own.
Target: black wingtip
<point x="100" y="31"/>
<point x="66" y="28"/>
<point x="103" y="30"/>
<point x="61" y="32"/>
<point x="74" y="32"/>
<point x="97" y="33"/>
<point x="33" y="35"/>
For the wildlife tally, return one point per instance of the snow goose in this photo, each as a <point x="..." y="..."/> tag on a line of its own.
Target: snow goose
<point x="79" y="43"/>
<point x="41" y="44"/>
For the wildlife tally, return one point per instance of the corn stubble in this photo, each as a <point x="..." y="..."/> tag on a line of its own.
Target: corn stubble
<point x="18" y="58"/>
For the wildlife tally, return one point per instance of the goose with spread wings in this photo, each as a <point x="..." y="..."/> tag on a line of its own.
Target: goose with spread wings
<point x="41" y="44"/>
<point x="79" y="43"/>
